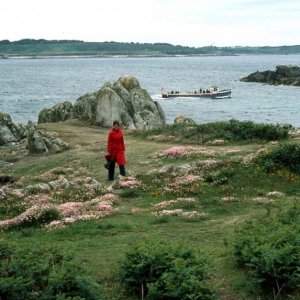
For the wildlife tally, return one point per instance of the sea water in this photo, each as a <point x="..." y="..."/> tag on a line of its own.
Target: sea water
<point x="29" y="85"/>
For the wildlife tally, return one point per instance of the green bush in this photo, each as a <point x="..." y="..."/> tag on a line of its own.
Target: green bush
<point x="161" y="271"/>
<point x="42" y="217"/>
<point x="44" y="275"/>
<point x="233" y="130"/>
<point x="285" y="156"/>
<point x="269" y="249"/>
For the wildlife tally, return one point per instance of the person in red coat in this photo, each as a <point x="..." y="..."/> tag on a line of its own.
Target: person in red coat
<point x="116" y="150"/>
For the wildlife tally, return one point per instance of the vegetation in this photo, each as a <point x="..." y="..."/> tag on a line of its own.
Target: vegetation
<point x="192" y="221"/>
<point x="160" y="271"/>
<point x="231" y="131"/>
<point x="43" y="274"/>
<point x="269" y="248"/>
<point x="287" y="156"/>
<point x="41" y="47"/>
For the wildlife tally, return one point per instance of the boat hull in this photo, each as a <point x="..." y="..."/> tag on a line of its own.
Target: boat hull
<point x="214" y="95"/>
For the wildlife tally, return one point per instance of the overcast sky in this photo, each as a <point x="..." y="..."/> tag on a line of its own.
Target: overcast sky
<point x="180" y="22"/>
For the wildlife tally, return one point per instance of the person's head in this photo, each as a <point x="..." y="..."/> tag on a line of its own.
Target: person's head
<point x="116" y="125"/>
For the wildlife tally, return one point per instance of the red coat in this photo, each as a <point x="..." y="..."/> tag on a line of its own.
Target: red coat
<point x="116" y="146"/>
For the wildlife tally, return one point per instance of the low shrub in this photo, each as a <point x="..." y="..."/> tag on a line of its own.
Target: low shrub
<point x="161" y="271"/>
<point x="41" y="218"/>
<point x="285" y="156"/>
<point x="44" y="275"/>
<point x="269" y="249"/>
<point x="242" y="131"/>
<point x="233" y="130"/>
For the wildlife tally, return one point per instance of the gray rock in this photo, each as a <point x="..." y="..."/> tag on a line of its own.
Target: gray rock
<point x="284" y="74"/>
<point x="2" y="194"/>
<point x="288" y="70"/>
<point x="124" y="100"/>
<point x="37" y="188"/>
<point x="61" y="183"/>
<point x="40" y="141"/>
<point x="58" y="113"/>
<point x="9" y="130"/>
<point x="184" y="169"/>
<point x="183" y="119"/>
<point x="36" y="143"/>
<point x="6" y="135"/>
<point x="110" y="107"/>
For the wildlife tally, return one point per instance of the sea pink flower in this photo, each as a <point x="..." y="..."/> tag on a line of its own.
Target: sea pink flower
<point x="185" y="150"/>
<point x="186" y="179"/>
<point x="127" y="182"/>
<point x="165" y="204"/>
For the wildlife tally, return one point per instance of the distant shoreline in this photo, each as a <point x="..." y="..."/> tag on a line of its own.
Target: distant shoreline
<point x="108" y="56"/>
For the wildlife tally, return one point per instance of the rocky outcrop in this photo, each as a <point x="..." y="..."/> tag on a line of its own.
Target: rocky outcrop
<point x="59" y="112"/>
<point x="284" y="74"/>
<point x="40" y="141"/>
<point x="183" y="119"/>
<point x="124" y="100"/>
<point x="9" y="130"/>
<point x="27" y="138"/>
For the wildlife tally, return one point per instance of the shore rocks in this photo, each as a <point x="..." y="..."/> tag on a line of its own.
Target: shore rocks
<point x="183" y="119"/>
<point x="124" y="100"/>
<point x="284" y="74"/>
<point x="59" y="112"/>
<point x="37" y="141"/>
<point x="9" y="130"/>
<point x="40" y="141"/>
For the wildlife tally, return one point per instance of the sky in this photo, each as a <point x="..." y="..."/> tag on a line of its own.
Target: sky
<point x="194" y="23"/>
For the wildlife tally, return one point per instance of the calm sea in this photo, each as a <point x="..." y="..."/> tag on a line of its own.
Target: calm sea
<point x="29" y="85"/>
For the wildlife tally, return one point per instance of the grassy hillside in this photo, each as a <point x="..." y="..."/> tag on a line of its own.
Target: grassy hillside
<point x="30" y="47"/>
<point x="214" y="186"/>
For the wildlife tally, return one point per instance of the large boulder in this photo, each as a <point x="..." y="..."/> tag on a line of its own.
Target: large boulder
<point x="288" y="70"/>
<point x="284" y="74"/>
<point x="124" y="100"/>
<point x="59" y="112"/>
<point x="184" y="120"/>
<point x="9" y="130"/>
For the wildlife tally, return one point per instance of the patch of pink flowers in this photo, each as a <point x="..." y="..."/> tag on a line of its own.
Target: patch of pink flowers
<point x="38" y="198"/>
<point x="33" y="211"/>
<point x="178" y="213"/>
<point x="184" y="151"/>
<point x="96" y="208"/>
<point x="276" y="194"/>
<point x="164" y="204"/>
<point x="263" y="200"/>
<point x="99" y="207"/>
<point x="229" y="199"/>
<point x="187" y="179"/>
<point x="129" y="182"/>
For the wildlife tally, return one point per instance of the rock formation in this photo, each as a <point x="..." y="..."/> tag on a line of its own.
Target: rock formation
<point x="40" y="141"/>
<point x="284" y="74"/>
<point x="37" y="140"/>
<point x="183" y="119"/>
<point x="124" y="100"/>
<point x="9" y="130"/>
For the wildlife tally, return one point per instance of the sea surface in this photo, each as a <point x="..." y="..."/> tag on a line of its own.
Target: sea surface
<point x="29" y="85"/>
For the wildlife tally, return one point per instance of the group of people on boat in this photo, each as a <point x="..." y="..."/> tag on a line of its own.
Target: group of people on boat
<point x="201" y="91"/>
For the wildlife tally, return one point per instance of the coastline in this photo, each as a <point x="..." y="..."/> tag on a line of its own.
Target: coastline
<point x="109" y="56"/>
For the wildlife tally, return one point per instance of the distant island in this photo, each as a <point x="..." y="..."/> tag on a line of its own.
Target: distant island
<point x="32" y="48"/>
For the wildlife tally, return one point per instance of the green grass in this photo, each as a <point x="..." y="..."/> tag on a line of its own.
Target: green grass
<point x="227" y="195"/>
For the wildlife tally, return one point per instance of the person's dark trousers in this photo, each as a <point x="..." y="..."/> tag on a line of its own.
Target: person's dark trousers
<point x="122" y="170"/>
<point x="111" y="170"/>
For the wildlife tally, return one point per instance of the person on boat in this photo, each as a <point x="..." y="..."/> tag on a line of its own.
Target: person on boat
<point x="116" y="150"/>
